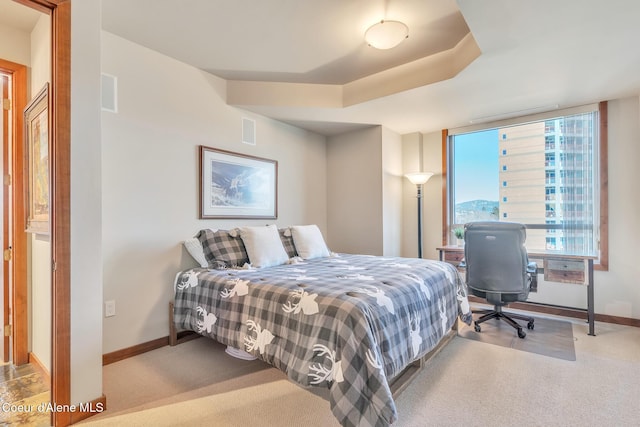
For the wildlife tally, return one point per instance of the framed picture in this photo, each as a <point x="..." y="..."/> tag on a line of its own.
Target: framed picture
<point x="36" y="122"/>
<point x="234" y="185"/>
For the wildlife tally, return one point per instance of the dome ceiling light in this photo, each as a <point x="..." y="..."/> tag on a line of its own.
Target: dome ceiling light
<point x="386" y="34"/>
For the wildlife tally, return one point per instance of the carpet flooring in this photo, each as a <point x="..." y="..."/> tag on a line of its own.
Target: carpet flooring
<point x="469" y="383"/>
<point x="549" y="337"/>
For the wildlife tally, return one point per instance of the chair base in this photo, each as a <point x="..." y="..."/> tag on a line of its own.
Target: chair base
<point x="497" y="313"/>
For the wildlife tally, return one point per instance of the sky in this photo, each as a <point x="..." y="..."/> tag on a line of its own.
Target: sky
<point x="476" y="166"/>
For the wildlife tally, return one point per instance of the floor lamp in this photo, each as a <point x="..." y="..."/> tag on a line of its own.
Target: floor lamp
<point x="419" y="178"/>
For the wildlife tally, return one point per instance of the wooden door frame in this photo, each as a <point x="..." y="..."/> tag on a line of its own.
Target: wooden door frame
<point x="18" y="263"/>
<point x="60" y="161"/>
<point x="6" y="170"/>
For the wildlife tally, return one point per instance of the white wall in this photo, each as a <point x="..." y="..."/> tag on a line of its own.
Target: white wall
<point x="392" y="178"/>
<point x="15" y="45"/>
<point x="432" y="215"/>
<point x="616" y="291"/>
<point x="86" y="231"/>
<point x="40" y="72"/>
<point x="354" y="184"/>
<point x="364" y="184"/>
<point x="431" y="194"/>
<point x="166" y="109"/>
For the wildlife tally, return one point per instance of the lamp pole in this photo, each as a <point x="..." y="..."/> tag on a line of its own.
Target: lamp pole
<point x="419" y="197"/>
<point x="419" y="178"/>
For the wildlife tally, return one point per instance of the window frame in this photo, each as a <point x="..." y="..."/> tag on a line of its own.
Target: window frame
<point x="603" y="142"/>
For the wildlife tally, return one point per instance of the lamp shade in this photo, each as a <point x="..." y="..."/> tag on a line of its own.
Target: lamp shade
<point x="386" y="34"/>
<point x="419" y="177"/>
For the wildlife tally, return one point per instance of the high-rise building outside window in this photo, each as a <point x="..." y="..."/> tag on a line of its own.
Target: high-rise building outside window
<point x="541" y="173"/>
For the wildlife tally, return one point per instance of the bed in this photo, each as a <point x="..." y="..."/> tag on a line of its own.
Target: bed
<point x="350" y="323"/>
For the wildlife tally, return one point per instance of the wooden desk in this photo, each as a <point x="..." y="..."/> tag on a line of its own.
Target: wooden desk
<point x="556" y="267"/>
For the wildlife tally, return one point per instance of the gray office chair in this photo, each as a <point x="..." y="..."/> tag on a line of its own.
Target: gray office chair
<point x="498" y="268"/>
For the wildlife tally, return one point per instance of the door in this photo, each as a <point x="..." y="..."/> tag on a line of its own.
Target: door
<point x="14" y="268"/>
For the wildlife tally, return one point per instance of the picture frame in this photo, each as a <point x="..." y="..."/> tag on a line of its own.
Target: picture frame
<point x="234" y="185"/>
<point x="37" y="148"/>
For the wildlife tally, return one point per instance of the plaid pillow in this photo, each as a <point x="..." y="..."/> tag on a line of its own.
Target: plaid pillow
<point x="222" y="250"/>
<point x="287" y="242"/>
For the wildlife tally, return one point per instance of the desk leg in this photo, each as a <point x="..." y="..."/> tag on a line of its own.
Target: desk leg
<point x="590" y="300"/>
<point x="441" y="255"/>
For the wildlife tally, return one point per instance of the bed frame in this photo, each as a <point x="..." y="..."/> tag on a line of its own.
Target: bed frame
<point x="397" y="384"/>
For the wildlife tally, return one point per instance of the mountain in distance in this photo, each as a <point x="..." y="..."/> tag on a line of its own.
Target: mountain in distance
<point x="477" y="210"/>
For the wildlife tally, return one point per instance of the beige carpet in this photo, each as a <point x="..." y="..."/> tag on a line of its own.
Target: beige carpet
<point x="468" y="383"/>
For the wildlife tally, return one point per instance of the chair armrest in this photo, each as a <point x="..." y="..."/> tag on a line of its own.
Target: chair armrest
<point x="463" y="264"/>
<point x="532" y="268"/>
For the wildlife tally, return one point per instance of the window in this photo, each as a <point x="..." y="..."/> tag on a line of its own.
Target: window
<point x="552" y="169"/>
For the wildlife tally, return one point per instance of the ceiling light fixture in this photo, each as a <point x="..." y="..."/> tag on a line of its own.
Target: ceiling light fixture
<point x="386" y="34"/>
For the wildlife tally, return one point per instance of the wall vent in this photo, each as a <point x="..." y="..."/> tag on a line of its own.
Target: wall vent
<point x="109" y="93"/>
<point x="248" y="131"/>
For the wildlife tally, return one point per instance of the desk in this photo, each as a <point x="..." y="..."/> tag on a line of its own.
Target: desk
<point x="556" y="267"/>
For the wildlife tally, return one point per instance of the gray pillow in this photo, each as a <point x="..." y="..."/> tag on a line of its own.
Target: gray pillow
<point x="222" y="250"/>
<point x="287" y="242"/>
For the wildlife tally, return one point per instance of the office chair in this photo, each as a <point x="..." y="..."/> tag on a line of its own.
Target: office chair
<point x="498" y="269"/>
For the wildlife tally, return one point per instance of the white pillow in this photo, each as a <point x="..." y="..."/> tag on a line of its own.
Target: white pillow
<point x="194" y="247"/>
<point x="309" y="241"/>
<point x="263" y="246"/>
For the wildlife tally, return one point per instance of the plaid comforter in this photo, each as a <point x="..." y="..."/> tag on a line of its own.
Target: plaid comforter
<point x="347" y="322"/>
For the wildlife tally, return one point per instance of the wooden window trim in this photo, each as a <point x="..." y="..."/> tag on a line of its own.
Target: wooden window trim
<point x="603" y="108"/>
<point x="445" y="196"/>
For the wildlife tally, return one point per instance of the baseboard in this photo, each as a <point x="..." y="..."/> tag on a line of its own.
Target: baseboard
<point x="33" y="359"/>
<point x="135" y="350"/>
<point x="89" y="409"/>
<point x="565" y="311"/>
<point x="618" y="320"/>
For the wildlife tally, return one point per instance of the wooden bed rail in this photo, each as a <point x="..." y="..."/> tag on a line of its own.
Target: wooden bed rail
<point x="173" y="334"/>
<point x="176" y="337"/>
<point x="399" y="383"/>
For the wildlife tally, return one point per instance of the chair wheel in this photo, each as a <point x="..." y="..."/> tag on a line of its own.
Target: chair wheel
<point x="476" y="327"/>
<point x="530" y="325"/>
<point x="521" y="333"/>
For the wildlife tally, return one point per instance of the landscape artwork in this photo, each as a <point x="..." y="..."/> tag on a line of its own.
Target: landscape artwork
<point x="235" y="185"/>
<point x="36" y="117"/>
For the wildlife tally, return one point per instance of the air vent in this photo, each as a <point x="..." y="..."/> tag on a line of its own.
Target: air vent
<point x="109" y="93"/>
<point x="248" y="131"/>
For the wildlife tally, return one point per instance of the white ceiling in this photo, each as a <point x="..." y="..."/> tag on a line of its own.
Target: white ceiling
<point x="311" y="41"/>
<point x="535" y="54"/>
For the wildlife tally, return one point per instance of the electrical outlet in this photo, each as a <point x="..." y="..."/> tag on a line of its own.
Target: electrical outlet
<point x="109" y="308"/>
